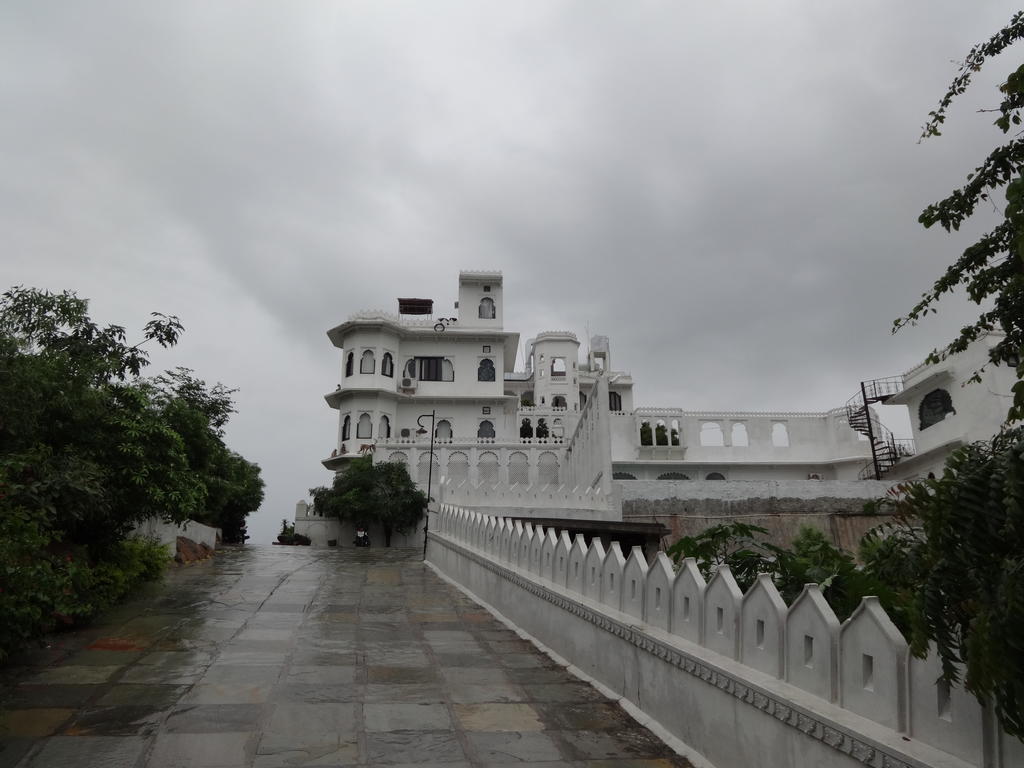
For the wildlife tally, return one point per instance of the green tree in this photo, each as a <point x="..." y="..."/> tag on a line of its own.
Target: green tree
<point x="366" y="492"/>
<point x="992" y="268"/>
<point x="955" y="553"/>
<point x="88" y="449"/>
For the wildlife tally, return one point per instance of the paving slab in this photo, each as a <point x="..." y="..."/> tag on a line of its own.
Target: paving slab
<point x="274" y="657"/>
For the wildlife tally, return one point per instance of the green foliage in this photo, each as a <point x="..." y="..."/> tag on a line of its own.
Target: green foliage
<point x="88" y="450"/>
<point x="955" y="552"/>
<point x="366" y="492"/>
<point x="811" y="559"/>
<point x="99" y="451"/>
<point x="45" y="583"/>
<point x="992" y="268"/>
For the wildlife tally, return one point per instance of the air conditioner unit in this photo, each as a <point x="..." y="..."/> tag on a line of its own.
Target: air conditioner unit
<point x="405" y="432"/>
<point x="813" y="476"/>
<point x="409" y="384"/>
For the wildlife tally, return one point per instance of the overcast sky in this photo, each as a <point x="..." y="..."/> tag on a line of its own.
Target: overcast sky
<point x="728" y="190"/>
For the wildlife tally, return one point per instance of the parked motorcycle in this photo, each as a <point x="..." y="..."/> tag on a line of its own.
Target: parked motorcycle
<point x="362" y="537"/>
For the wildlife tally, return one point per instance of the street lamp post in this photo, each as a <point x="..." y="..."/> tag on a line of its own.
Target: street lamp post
<point x="430" y="471"/>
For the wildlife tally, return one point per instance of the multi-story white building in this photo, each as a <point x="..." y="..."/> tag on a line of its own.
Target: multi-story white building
<point x="549" y="439"/>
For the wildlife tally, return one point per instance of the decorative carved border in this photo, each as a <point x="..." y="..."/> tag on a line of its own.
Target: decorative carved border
<point x="825" y="732"/>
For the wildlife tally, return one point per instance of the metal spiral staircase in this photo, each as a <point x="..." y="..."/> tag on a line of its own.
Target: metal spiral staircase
<point x="886" y="449"/>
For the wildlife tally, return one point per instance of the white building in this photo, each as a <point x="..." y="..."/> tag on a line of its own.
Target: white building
<point x="549" y="439"/>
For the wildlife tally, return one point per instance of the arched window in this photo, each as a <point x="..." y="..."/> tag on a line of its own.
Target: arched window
<point x="350" y="363"/>
<point x="444" y="430"/>
<point x="661" y="433"/>
<point x="934" y="407"/>
<point x="487" y="468"/>
<point x="487" y="308"/>
<point x="518" y="469"/>
<point x="458" y="467"/>
<point x="486" y="370"/>
<point x="583" y="400"/>
<point x="447" y="370"/>
<point x="367" y="363"/>
<point x="364" y="427"/>
<point x="547" y="469"/>
<point x="558" y="367"/>
<point x="398" y="457"/>
<point x="780" y="435"/>
<point x="673" y="476"/>
<point x="486" y="429"/>
<point x="711" y="434"/>
<point x="423" y="465"/>
<point x="715" y="476"/>
<point x="387" y="365"/>
<point x="346" y="428"/>
<point x="740" y="439"/>
<point x="384" y="430"/>
<point x="646" y="433"/>
<point x="558" y="402"/>
<point x="557" y="429"/>
<point x="623" y="476"/>
<point x="410" y="369"/>
<point x="542" y="428"/>
<point x="614" y="401"/>
<point x="526" y="429"/>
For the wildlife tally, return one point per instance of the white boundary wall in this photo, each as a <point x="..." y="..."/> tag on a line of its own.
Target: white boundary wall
<point x="168" y="533"/>
<point x="741" y="680"/>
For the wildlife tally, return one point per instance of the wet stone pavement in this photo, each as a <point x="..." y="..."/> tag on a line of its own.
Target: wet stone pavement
<point x="272" y="657"/>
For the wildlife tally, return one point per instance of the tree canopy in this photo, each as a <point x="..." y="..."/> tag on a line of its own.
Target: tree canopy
<point x="367" y="492"/>
<point x="992" y="268"/>
<point x="95" y="448"/>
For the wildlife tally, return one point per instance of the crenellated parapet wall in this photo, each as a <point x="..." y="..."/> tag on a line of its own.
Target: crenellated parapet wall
<point x="740" y="679"/>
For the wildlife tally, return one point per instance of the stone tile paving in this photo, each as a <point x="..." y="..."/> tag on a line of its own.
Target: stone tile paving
<point x="274" y="657"/>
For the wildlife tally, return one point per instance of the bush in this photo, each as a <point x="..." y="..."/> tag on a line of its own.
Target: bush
<point x="46" y="584"/>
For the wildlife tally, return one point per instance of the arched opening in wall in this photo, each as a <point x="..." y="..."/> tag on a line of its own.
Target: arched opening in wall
<point x="673" y="476"/>
<point x="557" y="430"/>
<point x="486" y="429"/>
<point x="740" y="438"/>
<point x="527" y="398"/>
<point x="423" y="467"/>
<point x="583" y="400"/>
<point x="364" y="427"/>
<point x="350" y="362"/>
<point x="458" y="467"/>
<point x="443" y="431"/>
<point x="715" y="476"/>
<point x="661" y="433"/>
<point x="398" y="457"/>
<point x="542" y="428"/>
<point x="485" y="372"/>
<point x="346" y="427"/>
<point x="711" y="434"/>
<point x="518" y="469"/>
<point x="487" y="468"/>
<point x="547" y="469"/>
<point x="526" y="429"/>
<point x="614" y="401"/>
<point x="410" y="369"/>
<point x="367" y="363"/>
<point x="558" y="367"/>
<point x="646" y="433"/>
<point x="934" y="407"/>
<point x="384" y="429"/>
<point x="558" y="402"/>
<point x="675" y="432"/>
<point x="780" y="435"/>
<point x="387" y="365"/>
<point x="623" y="476"/>
<point x="447" y="370"/>
<point x="486" y="308"/>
